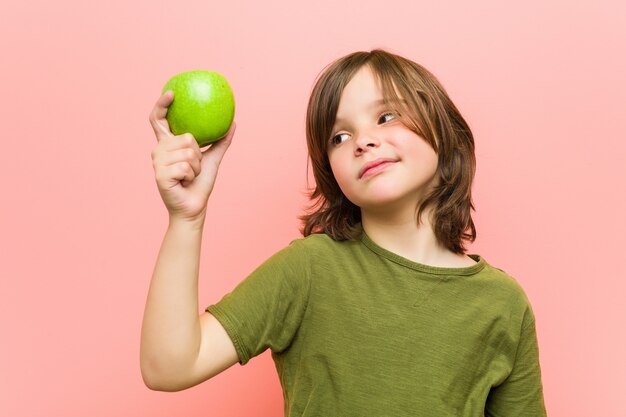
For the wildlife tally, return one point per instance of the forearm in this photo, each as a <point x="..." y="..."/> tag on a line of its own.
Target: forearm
<point x="170" y="334"/>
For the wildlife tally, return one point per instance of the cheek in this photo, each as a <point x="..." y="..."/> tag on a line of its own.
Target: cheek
<point x="342" y="175"/>
<point x="425" y="153"/>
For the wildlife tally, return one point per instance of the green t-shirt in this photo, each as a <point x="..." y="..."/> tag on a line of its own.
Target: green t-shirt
<point x="356" y="330"/>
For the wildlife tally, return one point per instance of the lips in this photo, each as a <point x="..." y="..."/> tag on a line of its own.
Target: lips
<point x="374" y="164"/>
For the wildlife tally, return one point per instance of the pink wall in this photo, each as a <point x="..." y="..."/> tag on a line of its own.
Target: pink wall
<point x="541" y="84"/>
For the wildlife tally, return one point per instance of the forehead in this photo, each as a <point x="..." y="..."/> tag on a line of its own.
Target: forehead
<point x="363" y="85"/>
<point x="362" y="93"/>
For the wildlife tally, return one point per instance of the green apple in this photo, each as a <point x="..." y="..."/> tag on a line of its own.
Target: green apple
<point x="203" y="105"/>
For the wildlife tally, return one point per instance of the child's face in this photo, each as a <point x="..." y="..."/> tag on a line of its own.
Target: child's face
<point x="365" y="132"/>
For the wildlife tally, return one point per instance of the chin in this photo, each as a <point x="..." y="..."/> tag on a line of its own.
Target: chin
<point x="382" y="203"/>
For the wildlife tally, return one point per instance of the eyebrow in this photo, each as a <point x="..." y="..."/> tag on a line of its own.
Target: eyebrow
<point x="374" y="104"/>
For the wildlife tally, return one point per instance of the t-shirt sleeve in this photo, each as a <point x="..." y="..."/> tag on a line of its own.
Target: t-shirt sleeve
<point x="265" y="310"/>
<point x="521" y="393"/>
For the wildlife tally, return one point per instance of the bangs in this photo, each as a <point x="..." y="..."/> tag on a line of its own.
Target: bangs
<point x="398" y="89"/>
<point x="402" y="95"/>
<point x="324" y="101"/>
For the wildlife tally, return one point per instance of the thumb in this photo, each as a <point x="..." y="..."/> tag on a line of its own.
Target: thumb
<point x="212" y="156"/>
<point x="219" y="147"/>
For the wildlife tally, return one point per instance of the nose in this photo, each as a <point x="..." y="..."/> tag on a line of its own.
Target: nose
<point x="365" y="141"/>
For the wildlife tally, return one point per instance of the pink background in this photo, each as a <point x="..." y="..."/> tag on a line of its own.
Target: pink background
<point x="541" y="83"/>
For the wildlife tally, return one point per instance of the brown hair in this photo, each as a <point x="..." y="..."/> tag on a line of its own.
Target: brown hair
<point x="429" y="112"/>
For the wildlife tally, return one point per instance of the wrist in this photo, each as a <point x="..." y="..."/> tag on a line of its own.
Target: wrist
<point x="193" y="223"/>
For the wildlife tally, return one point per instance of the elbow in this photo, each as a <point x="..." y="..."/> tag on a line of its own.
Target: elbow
<point x="153" y="379"/>
<point x="156" y="380"/>
<point x="155" y="383"/>
<point x="152" y="382"/>
<point x="159" y="386"/>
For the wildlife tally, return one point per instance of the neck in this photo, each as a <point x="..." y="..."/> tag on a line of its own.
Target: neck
<point x="400" y="234"/>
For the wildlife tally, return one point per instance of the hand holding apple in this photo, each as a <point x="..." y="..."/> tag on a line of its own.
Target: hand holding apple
<point x="185" y="175"/>
<point x="203" y="105"/>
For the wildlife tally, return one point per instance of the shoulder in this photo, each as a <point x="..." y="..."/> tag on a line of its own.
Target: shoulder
<point x="502" y="280"/>
<point x="506" y="293"/>
<point x="304" y="252"/>
<point x="320" y="243"/>
<point x="320" y="252"/>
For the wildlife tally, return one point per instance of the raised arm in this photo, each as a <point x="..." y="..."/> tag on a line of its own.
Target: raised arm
<point x="179" y="347"/>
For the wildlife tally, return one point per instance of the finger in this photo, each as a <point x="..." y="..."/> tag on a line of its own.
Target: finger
<point x="181" y="155"/>
<point x="180" y="172"/>
<point x="176" y="149"/>
<point x="222" y="144"/>
<point x="158" y="115"/>
<point x="231" y="132"/>
<point x="186" y="140"/>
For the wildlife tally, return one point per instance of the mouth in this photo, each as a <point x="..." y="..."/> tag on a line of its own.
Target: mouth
<point x="375" y="167"/>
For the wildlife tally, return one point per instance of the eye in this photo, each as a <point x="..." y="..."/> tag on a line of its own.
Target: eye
<point x="336" y="140"/>
<point x="383" y="116"/>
